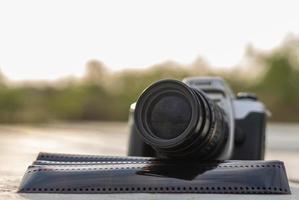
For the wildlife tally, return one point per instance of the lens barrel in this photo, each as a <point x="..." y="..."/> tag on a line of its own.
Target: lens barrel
<point x="180" y="121"/>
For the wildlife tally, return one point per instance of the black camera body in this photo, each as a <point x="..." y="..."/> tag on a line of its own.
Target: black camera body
<point x="199" y="118"/>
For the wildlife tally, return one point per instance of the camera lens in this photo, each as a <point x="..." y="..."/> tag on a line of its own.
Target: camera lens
<point x="180" y="121"/>
<point x="169" y="116"/>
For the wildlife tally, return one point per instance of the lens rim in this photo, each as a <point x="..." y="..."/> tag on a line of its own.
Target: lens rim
<point x="149" y="95"/>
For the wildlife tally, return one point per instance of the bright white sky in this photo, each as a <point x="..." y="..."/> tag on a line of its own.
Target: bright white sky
<point x="50" y="39"/>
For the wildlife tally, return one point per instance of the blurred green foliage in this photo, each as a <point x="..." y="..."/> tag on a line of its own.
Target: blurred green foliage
<point x="103" y="95"/>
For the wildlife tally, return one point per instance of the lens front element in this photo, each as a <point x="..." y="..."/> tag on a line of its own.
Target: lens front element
<point x="169" y="115"/>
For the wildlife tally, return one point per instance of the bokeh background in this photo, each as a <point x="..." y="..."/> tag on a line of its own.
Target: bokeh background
<point x="104" y="95"/>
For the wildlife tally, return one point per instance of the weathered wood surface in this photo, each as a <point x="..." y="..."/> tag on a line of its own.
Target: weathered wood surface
<point x="19" y="146"/>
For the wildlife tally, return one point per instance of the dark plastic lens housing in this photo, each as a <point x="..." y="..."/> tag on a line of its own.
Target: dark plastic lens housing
<point x="180" y="121"/>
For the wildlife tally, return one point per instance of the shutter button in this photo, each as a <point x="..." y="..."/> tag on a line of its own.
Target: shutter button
<point x="246" y="95"/>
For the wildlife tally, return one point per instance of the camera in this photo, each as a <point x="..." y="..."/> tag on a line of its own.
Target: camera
<point x="197" y="118"/>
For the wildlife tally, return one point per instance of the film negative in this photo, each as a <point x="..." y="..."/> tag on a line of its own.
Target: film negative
<point x="102" y="174"/>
